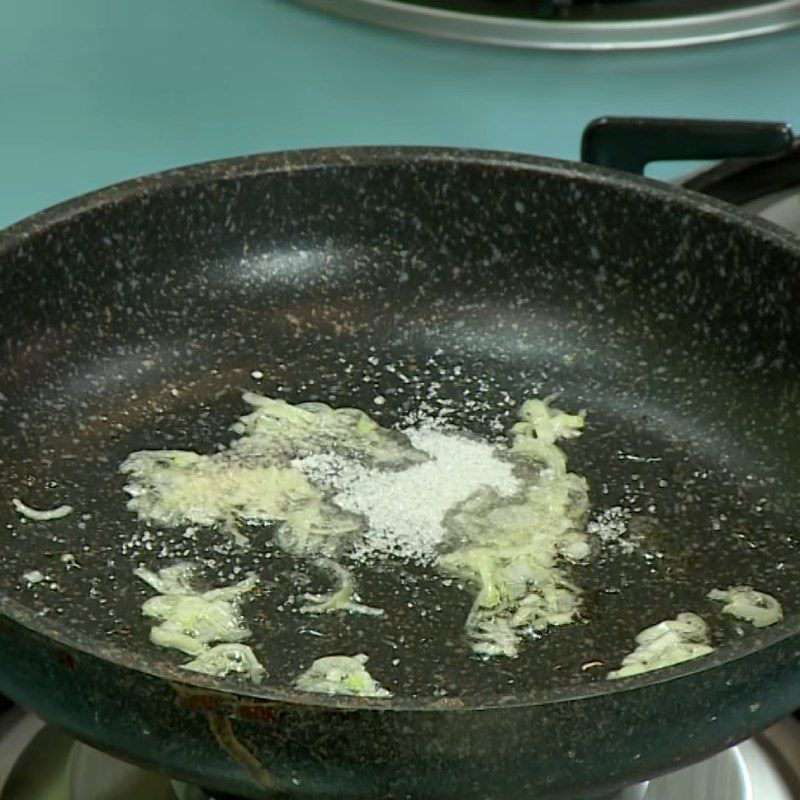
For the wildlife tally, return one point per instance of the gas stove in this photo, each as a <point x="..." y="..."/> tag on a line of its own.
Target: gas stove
<point x="39" y="762"/>
<point x="577" y="24"/>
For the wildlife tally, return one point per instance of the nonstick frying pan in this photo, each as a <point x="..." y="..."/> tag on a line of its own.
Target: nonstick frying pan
<point x="134" y="317"/>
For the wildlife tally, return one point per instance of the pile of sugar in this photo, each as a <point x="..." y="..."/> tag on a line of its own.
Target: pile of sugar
<point x="404" y="509"/>
<point x="611" y="526"/>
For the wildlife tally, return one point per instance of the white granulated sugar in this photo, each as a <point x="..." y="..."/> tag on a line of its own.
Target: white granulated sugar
<point x="611" y="526"/>
<point x="404" y="509"/>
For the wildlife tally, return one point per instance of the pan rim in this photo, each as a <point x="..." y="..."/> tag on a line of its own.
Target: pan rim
<point x="361" y="157"/>
<point x="364" y="156"/>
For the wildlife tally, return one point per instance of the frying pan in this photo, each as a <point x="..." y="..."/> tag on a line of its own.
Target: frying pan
<point x="134" y="317"/>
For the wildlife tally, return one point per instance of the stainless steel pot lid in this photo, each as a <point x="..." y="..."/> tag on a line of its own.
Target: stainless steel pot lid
<point x="573" y="24"/>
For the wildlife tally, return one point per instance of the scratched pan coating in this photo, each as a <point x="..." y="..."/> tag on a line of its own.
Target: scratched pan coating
<point x="135" y="317"/>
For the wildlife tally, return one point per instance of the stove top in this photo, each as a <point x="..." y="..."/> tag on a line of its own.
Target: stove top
<point x="769" y="188"/>
<point x="38" y="762"/>
<point x="577" y="24"/>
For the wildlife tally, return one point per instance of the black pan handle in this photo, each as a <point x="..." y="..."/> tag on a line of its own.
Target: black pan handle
<point x="630" y="143"/>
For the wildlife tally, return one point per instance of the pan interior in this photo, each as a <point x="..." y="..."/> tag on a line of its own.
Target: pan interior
<point x="138" y="324"/>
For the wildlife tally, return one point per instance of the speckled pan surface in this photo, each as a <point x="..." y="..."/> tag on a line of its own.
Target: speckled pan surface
<point x="135" y="316"/>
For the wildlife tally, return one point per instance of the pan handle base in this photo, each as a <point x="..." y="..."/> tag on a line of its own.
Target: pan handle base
<point x="631" y="143"/>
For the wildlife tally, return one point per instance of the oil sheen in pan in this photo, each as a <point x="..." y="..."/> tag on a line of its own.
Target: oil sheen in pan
<point x="700" y="525"/>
